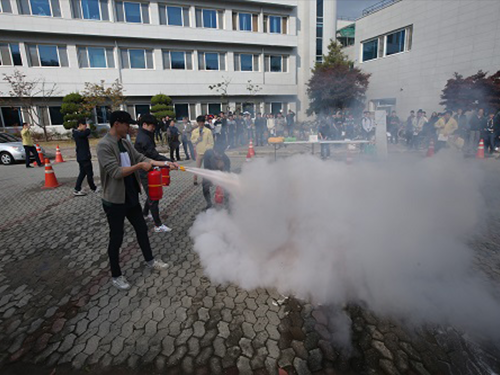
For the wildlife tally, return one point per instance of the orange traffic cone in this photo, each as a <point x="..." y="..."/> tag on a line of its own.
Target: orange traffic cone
<point x="40" y="155"/>
<point x="50" y="177"/>
<point x="430" y="151"/>
<point x="251" y="151"/>
<point x="480" y="150"/>
<point x="59" y="158"/>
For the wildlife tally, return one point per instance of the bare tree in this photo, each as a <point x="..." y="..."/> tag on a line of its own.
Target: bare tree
<point x="222" y="88"/>
<point x="96" y="94"/>
<point x="33" y="95"/>
<point x="253" y="89"/>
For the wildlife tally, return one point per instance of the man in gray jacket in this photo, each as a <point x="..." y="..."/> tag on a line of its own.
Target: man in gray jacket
<point x="119" y="164"/>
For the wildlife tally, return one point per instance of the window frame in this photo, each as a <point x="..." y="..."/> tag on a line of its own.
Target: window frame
<point x="251" y="60"/>
<point x="403" y="30"/>
<point x="105" y="58"/>
<point x="175" y="110"/>
<point x="143" y="55"/>
<point x="182" y="14"/>
<point x="50" y="114"/>
<point x="203" y="18"/>
<point x="218" y="61"/>
<point x="41" y="15"/>
<point x="376" y="39"/>
<point x="9" y="45"/>
<point x="251" y="21"/>
<point x="125" y="12"/>
<point x="279" y="23"/>
<point x="171" y="60"/>
<point x="98" y="8"/>
<point x="271" y="64"/>
<point x="40" y="59"/>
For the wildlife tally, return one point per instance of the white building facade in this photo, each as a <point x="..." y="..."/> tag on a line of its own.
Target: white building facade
<point x="174" y="47"/>
<point x="411" y="48"/>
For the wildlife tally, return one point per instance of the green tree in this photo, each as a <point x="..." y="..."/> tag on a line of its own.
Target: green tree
<point x="162" y="106"/>
<point x="73" y="108"/>
<point x="336" y="84"/>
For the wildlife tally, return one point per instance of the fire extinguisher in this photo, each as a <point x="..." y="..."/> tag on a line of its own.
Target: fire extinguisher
<point x="219" y="195"/>
<point x="165" y="176"/>
<point x="154" y="184"/>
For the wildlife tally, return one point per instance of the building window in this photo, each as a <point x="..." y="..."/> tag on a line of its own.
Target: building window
<point x="211" y="61"/>
<point x="209" y="18"/>
<point x="181" y="111"/>
<point x="177" y="60"/>
<point x="102" y="114"/>
<point x="276" y="108"/>
<point x="276" y="63"/>
<point x="174" y="16"/>
<point x="132" y="12"/>
<point x="56" y="117"/>
<point x="275" y="24"/>
<point x="214" y="108"/>
<point x="5" y="6"/>
<point x="246" y="62"/>
<point x="47" y="55"/>
<point x="319" y="30"/>
<point x="141" y="110"/>
<point x="10" y="55"/>
<point x="245" y="21"/>
<point x="370" y="50"/>
<point x="137" y="58"/>
<point x="11" y="116"/>
<point x="395" y="42"/>
<point x="90" y="9"/>
<point x="96" y="57"/>
<point x="40" y="7"/>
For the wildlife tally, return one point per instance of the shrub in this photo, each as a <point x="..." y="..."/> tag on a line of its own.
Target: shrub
<point x="162" y="106"/>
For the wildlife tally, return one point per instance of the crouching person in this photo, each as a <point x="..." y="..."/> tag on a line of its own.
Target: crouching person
<point x="215" y="159"/>
<point x="119" y="166"/>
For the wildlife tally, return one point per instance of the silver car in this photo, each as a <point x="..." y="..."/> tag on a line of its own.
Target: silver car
<point x="11" y="149"/>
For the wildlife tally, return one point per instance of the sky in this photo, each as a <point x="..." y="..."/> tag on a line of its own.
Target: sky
<point x="353" y="8"/>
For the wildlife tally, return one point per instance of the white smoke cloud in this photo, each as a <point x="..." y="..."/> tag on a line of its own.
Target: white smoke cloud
<point x="392" y="235"/>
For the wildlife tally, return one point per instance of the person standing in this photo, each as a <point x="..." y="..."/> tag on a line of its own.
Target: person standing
<point x="290" y="122"/>
<point x="477" y="124"/>
<point x="145" y="144"/>
<point x="173" y="136"/>
<point x="215" y="160"/>
<point x="280" y="125"/>
<point x="411" y="122"/>
<point x="203" y="141"/>
<point x="393" y="123"/>
<point x="445" y="127"/>
<point x="84" y="158"/>
<point x="367" y="126"/>
<point x="231" y="130"/>
<point x="29" y="147"/>
<point x="187" y="129"/>
<point x="324" y="133"/>
<point x="260" y="126"/>
<point x="490" y="136"/>
<point x="119" y="164"/>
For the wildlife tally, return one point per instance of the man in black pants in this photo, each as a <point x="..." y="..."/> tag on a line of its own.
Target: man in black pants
<point x="145" y="144"/>
<point x="216" y="160"/>
<point x="84" y="158"/>
<point x="119" y="164"/>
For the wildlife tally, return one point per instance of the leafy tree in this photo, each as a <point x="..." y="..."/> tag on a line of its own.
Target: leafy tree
<point x="162" y="106"/>
<point x="473" y="92"/>
<point x="73" y="108"/>
<point x="96" y="94"/>
<point x="34" y="95"/>
<point x="336" y="84"/>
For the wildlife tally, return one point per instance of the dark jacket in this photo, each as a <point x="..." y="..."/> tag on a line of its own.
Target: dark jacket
<point x="173" y="136"/>
<point x="145" y="144"/>
<point x="216" y="162"/>
<point x="477" y="123"/>
<point x="82" y="144"/>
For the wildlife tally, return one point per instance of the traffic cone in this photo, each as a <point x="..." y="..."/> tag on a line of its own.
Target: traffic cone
<point x="251" y="151"/>
<point x="50" y="177"/>
<point x="430" y="151"/>
<point x="480" y="150"/>
<point x="40" y="155"/>
<point x="59" y="158"/>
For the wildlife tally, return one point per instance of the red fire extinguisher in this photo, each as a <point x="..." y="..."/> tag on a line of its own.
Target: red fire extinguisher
<point x="219" y="195"/>
<point x="154" y="184"/>
<point x="165" y="176"/>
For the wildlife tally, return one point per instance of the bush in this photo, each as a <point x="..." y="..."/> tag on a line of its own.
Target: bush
<point x="72" y="108"/>
<point x="162" y="106"/>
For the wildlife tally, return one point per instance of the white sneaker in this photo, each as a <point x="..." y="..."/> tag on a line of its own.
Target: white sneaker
<point x="149" y="217"/>
<point x="80" y="193"/>
<point x="158" y="265"/>
<point x="121" y="283"/>
<point x="97" y="190"/>
<point x="162" y="228"/>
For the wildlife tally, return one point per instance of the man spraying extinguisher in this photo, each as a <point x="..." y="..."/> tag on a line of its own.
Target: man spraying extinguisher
<point x="119" y="165"/>
<point x="216" y="160"/>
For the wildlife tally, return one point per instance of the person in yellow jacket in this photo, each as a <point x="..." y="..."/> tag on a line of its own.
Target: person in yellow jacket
<point x="203" y="140"/>
<point x="445" y="127"/>
<point x="29" y="148"/>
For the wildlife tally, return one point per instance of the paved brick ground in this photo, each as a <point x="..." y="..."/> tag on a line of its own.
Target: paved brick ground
<point x="59" y="312"/>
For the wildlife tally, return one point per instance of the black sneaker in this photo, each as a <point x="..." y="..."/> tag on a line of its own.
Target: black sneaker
<point x="29" y="166"/>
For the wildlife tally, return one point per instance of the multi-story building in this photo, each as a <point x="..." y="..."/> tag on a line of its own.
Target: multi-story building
<point x="411" y="48"/>
<point x="175" y="47"/>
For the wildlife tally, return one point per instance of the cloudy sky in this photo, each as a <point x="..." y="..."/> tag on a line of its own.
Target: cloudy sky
<point x="353" y="8"/>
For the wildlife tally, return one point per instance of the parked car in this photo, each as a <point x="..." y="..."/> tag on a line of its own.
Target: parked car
<point x="11" y="149"/>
